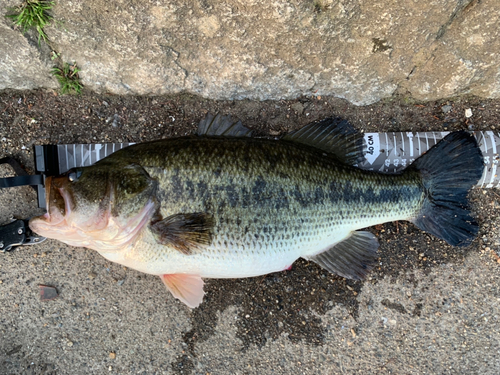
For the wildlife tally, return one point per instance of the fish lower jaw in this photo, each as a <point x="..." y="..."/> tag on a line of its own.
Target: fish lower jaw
<point x="122" y="235"/>
<point x="116" y="236"/>
<point x="44" y="226"/>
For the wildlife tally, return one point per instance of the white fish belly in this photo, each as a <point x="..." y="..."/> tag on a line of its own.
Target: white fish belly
<point x="224" y="259"/>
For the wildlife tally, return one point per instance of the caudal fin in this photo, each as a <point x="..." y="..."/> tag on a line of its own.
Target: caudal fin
<point x="449" y="170"/>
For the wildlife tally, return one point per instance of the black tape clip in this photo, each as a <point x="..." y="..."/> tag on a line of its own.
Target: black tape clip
<point x="17" y="233"/>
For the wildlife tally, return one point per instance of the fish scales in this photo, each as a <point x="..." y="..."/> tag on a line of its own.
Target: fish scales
<point x="227" y="205"/>
<point x="265" y="208"/>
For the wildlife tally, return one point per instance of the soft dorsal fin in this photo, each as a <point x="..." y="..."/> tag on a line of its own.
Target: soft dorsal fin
<point x="333" y="135"/>
<point x="184" y="232"/>
<point x="223" y="126"/>
<point x="351" y="258"/>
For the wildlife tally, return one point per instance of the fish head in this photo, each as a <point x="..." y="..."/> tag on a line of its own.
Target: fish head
<point x="102" y="207"/>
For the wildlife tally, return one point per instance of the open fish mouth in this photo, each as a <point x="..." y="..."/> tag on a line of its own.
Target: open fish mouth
<point x="58" y="207"/>
<point x="90" y="224"/>
<point x="58" y="200"/>
<point x="60" y="222"/>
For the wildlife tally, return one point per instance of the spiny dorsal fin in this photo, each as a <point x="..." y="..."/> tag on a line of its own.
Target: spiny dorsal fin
<point x="223" y="126"/>
<point x="184" y="232"/>
<point x="333" y="135"/>
<point x="351" y="258"/>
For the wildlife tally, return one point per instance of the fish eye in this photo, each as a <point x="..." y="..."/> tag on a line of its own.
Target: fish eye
<point x="74" y="174"/>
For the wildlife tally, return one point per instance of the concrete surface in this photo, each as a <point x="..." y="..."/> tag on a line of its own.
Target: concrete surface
<point x="360" y="50"/>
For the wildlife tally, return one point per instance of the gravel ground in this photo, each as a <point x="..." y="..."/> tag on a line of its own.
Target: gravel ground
<point x="426" y="308"/>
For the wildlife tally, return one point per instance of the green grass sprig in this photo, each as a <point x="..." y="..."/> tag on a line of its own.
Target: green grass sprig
<point x="68" y="78"/>
<point x="33" y="14"/>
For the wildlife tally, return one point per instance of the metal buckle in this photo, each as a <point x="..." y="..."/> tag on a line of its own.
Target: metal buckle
<point x="17" y="233"/>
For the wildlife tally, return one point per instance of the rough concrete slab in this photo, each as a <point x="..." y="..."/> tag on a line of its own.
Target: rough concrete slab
<point x="361" y="50"/>
<point x="24" y="64"/>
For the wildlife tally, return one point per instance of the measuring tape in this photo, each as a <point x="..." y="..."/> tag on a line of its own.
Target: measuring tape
<point x="393" y="151"/>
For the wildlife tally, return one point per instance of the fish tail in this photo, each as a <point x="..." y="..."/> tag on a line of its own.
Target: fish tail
<point x="449" y="170"/>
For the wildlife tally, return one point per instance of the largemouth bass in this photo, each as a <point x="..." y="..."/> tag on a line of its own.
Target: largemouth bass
<point x="225" y="205"/>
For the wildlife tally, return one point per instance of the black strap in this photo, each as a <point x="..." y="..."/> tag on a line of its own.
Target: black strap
<point x="8" y="182"/>
<point x="22" y="178"/>
<point x="15" y="165"/>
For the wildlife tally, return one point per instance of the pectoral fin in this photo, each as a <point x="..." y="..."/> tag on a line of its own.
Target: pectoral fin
<point x="184" y="232"/>
<point x="187" y="288"/>
<point x="352" y="258"/>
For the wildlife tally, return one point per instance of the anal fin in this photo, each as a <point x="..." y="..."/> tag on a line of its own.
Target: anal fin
<point x="351" y="258"/>
<point x="187" y="288"/>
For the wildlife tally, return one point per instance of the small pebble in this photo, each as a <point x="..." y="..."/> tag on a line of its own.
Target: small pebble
<point x="112" y="355"/>
<point x="48" y="293"/>
<point x="70" y="343"/>
<point x="446" y="108"/>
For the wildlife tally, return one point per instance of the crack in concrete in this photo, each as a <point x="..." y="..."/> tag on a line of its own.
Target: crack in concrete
<point x="408" y="76"/>
<point x="461" y="8"/>
<point x="44" y="49"/>
<point x="176" y="62"/>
